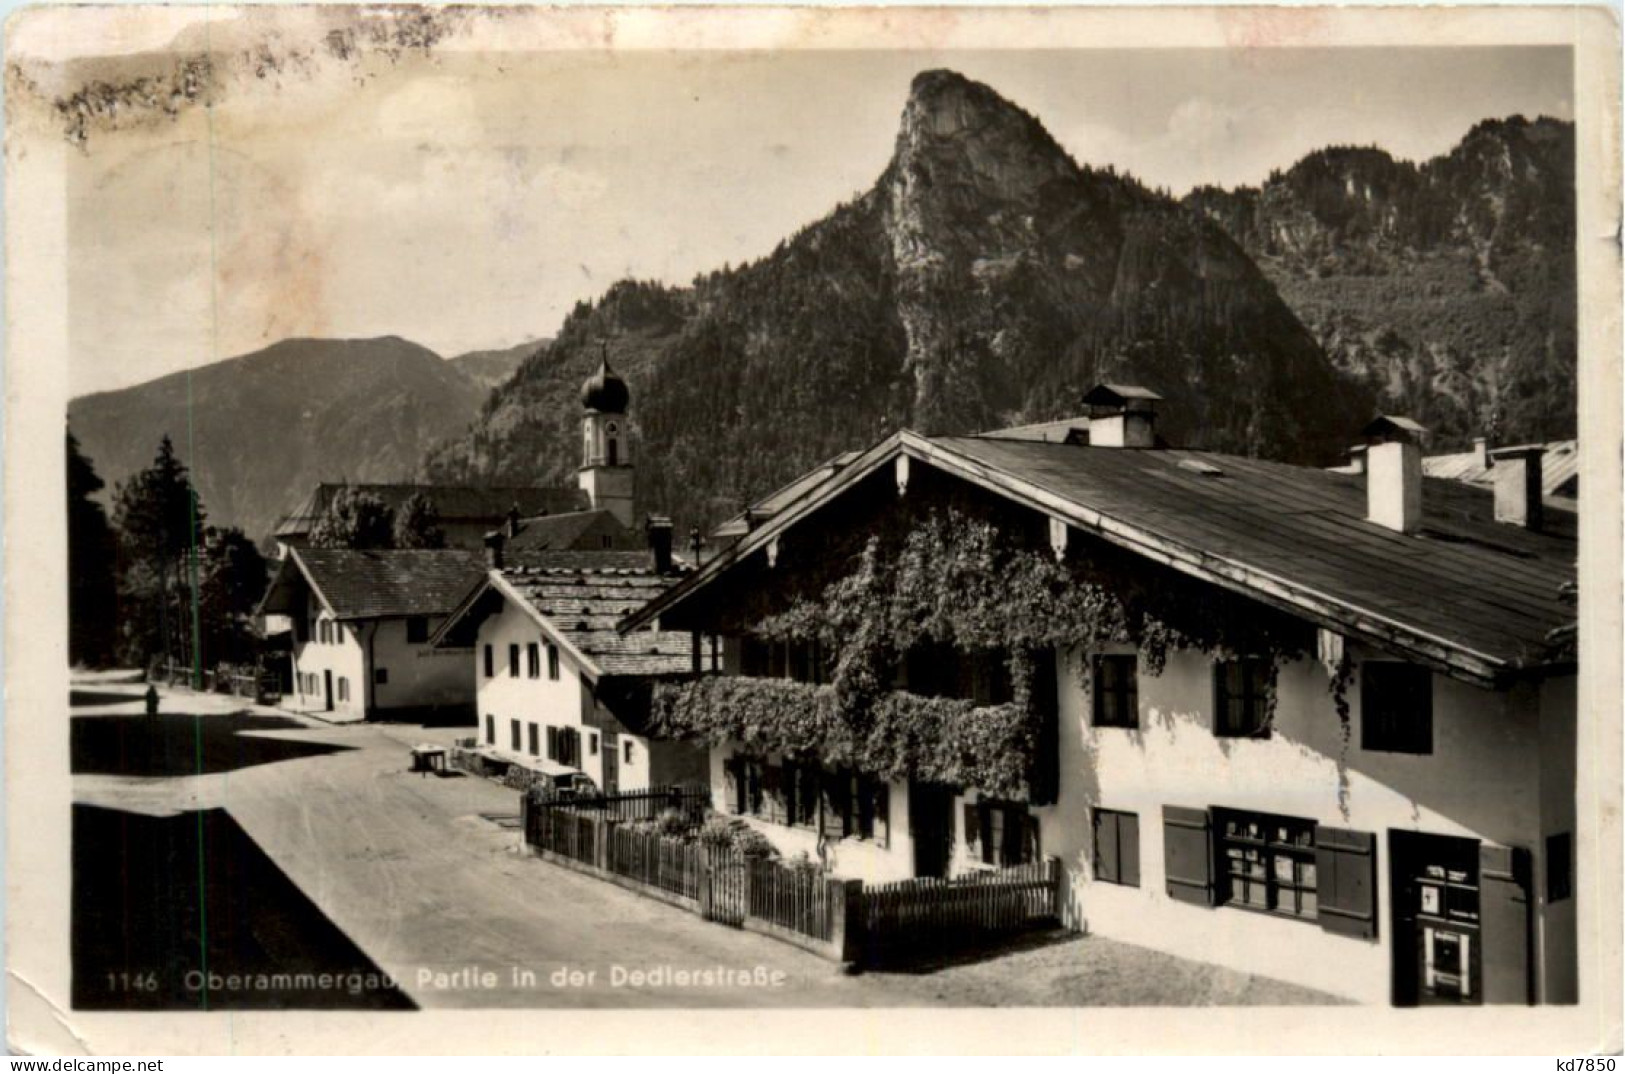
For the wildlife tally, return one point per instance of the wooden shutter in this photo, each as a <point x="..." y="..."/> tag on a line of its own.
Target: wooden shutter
<point x="1503" y="901"/>
<point x="832" y="793"/>
<point x="552" y="743"/>
<point x="732" y="786"/>
<point x="1107" y="865"/>
<point x="1187" y="855"/>
<point x="1346" y="881"/>
<point x="1128" y="848"/>
<point x="773" y="789"/>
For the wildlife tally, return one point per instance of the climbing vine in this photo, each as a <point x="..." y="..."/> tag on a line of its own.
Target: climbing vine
<point x="955" y="580"/>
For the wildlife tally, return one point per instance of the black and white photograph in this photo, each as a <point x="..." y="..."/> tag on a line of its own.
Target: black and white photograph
<point x="815" y="516"/>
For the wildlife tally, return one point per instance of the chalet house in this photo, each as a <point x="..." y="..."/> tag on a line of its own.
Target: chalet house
<point x="467" y="514"/>
<point x="361" y="628"/>
<point x="558" y="689"/>
<point x="1314" y="725"/>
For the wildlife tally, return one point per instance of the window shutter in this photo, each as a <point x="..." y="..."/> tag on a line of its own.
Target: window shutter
<point x="1128" y="848"/>
<point x="832" y="806"/>
<point x="1187" y="855"/>
<point x="732" y="786"/>
<point x="1503" y="895"/>
<point x="973" y="826"/>
<point x="1346" y="881"/>
<point x="552" y="743"/>
<point x="773" y="783"/>
<point x="1107" y="865"/>
<point x="1030" y="845"/>
<point x="882" y="819"/>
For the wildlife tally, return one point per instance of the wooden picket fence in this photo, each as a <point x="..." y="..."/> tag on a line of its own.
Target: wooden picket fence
<point x="625" y="806"/>
<point x="910" y="916"/>
<point x="840" y="919"/>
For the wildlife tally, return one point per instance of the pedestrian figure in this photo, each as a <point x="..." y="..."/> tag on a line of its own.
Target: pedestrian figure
<point x="152" y="700"/>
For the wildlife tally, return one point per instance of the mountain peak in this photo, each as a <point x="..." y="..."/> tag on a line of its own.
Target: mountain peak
<point x="947" y="109"/>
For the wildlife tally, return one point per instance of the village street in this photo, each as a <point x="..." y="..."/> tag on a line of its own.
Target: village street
<point x="372" y="868"/>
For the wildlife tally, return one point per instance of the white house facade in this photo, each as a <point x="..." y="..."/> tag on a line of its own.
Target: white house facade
<point x="1381" y="808"/>
<point x="362" y="623"/>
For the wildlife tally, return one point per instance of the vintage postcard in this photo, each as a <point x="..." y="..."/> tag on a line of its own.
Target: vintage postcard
<point x="812" y="530"/>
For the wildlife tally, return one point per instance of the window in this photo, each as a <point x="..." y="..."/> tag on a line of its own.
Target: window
<point x="1117" y="847"/>
<point x="606" y="541"/>
<point x="626" y="756"/>
<point x="1396" y="707"/>
<point x="1001" y="833"/>
<point x="325" y="631"/>
<point x="553" y="662"/>
<point x="338" y="633"/>
<point x="491" y="730"/>
<point x="1266" y="862"/>
<point x="513" y="728"/>
<point x="513" y="661"/>
<point x="1117" y="692"/>
<point x="417" y="630"/>
<point x="569" y="747"/>
<point x="552" y="743"/>
<point x="592" y="743"/>
<point x="801" y="795"/>
<point x="380" y="676"/>
<point x="533" y="660"/>
<point x="535" y="740"/>
<point x="490" y="663"/>
<point x="1559" y="867"/>
<point x="1240" y="699"/>
<point x="344" y="688"/>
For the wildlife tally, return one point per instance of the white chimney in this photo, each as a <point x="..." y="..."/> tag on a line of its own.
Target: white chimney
<point x="1357" y="458"/>
<point x="1122" y="416"/>
<point x="1393" y="473"/>
<point x="1519" y="488"/>
<point x="1481" y="453"/>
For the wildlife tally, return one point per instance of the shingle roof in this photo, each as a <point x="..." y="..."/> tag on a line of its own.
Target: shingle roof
<point x="1476" y="584"/>
<point x="456" y="503"/>
<point x="584" y="604"/>
<point x="392" y="582"/>
<point x="1470" y="594"/>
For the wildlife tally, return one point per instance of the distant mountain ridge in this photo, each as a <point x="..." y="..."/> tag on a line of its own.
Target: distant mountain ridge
<point x="1448" y="287"/>
<point x="266" y="427"/>
<point x="985" y="280"/>
<point x="491" y="367"/>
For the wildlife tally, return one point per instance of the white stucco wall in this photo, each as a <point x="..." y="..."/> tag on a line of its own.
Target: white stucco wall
<point x="419" y="674"/>
<point x="1481" y="781"/>
<point x="544" y="701"/>
<point x="344" y="659"/>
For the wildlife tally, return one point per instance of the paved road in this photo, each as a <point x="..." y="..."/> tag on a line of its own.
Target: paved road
<point x="446" y="901"/>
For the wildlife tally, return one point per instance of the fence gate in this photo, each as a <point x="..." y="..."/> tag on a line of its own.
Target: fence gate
<point x="723" y="898"/>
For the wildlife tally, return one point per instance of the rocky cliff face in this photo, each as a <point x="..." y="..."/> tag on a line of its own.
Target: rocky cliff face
<point x="1448" y="288"/>
<point x="985" y="280"/>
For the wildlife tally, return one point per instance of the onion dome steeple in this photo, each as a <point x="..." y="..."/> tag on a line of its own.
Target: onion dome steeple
<point x="605" y="391"/>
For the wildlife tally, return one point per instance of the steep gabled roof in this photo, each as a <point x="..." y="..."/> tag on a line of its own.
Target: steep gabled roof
<point x="1467" y="595"/>
<point x="783" y="497"/>
<point x="579" y="598"/>
<point x="578" y="530"/>
<point x="384" y="583"/>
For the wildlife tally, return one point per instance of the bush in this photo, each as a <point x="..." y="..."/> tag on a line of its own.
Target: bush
<point x="672" y="822"/>
<point x="732" y="832"/>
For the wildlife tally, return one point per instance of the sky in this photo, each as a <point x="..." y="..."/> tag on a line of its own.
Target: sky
<point x="468" y="199"/>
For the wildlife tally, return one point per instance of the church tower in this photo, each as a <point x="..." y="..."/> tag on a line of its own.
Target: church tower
<point x="606" y="447"/>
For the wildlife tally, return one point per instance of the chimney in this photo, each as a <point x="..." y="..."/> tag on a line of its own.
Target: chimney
<point x="1518" y="485"/>
<point x="1393" y="473"/>
<point x="1357" y="457"/>
<point x="1122" y="416"/>
<point x="493" y="549"/>
<point x="658" y="528"/>
<point x="1481" y="453"/>
<point x="513" y="521"/>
